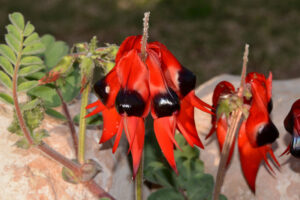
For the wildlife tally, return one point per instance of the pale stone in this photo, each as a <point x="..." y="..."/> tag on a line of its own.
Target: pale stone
<point x="285" y="184"/>
<point x="30" y="175"/>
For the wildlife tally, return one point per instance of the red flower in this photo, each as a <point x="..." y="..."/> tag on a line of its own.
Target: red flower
<point x="257" y="132"/>
<point x="292" y="125"/>
<point x="133" y="88"/>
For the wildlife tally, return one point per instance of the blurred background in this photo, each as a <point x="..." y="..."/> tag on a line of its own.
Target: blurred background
<point x="207" y="36"/>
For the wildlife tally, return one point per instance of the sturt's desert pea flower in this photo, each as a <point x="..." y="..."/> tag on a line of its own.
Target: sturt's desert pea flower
<point x="158" y="84"/>
<point x="292" y="125"/>
<point x="257" y="131"/>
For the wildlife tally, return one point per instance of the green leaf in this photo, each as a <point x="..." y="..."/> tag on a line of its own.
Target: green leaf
<point x="17" y="20"/>
<point x="47" y="40"/>
<point x="54" y="53"/>
<point x="6" y="65"/>
<point x="166" y="193"/>
<point x="71" y="87"/>
<point x="31" y="60"/>
<point x="5" y="80"/>
<point x="200" y="187"/>
<point x="6" y="98"/>
<point x="55" y="114"/>
<point x="47" y="94"/>
<point x="22" y="143"/>
<point x="31" y="104"/>
<point x="12" y="42"/>
<point x="14" y="31"/>
<point x="7" y="52"/>
<point x="25" y="86"/>
<point x="104" y="198"/>
<point x="33" y="38"/>
<point x="29" y="28"/>
<point x="36" y="75"/>
<point x="30" y="69"/>
<point x="35" y="48"/>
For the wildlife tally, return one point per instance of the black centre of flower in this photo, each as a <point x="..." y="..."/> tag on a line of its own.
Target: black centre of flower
<point x="130" y="102"/>
<point x="165" y="104"/>
<point x="270" y="106"/>
<point x="187" y="81"/>
<point x="267" y="134"/>
<point x="289" y="123"/>
<point x="295" y="146"/>
<point x="100" y="88"/>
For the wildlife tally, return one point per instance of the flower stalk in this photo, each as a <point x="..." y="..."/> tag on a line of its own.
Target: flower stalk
<point x="140" y="174"/>
<point x="69" y="121"/>
<point x="234" y="124"/>
<point x="82" y="124"/>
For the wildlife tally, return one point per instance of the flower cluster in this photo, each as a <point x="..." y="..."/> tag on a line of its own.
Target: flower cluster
<point x="292" y="125"/>
<point x="134" y="87"/>
<point x="257" y="131"/>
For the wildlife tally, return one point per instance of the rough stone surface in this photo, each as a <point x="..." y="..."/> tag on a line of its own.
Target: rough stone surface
<point x="29" y="175"/>
<point x="286" y="183"/>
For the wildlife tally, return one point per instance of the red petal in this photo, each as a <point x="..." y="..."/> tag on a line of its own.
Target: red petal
<point x="198" y="103"/>
<point x="221" y="131"/>
<point x="111" y="123"/>
<point x="186" y="124"/>
<point x="258" y="113"/>
<point x="286" y="151"/>
<point x="251" y="157"/>
<point x="135" y="135"/>
<point x="99" y="108"/>
<point x="222" y="88"/>
<point x="133" y="74"/>
<point x="118" y="136"/>
<point x="131" y="42"/>
<point x="163" y="130"/>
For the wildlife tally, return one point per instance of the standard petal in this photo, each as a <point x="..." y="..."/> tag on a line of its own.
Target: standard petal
<point x="131" y="42"/>
<point x="259" y="128"/>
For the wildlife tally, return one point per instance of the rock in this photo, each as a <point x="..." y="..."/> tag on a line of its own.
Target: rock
<point x="30" y="175"/>
<point x="286" y="183"/>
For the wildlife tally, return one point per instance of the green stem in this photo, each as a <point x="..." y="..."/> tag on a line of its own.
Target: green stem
<point x="139" y="180"/>
<point x="82" y="124"/>
<point x="69" y="120"/>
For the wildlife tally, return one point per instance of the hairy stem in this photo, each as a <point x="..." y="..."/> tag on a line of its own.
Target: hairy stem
<point x="145" y="36"/>
<point x="82" y="124"/>
<point x="69" y="121"/>
<point x="235" y="120"/>
<point x="231" y="133"/>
